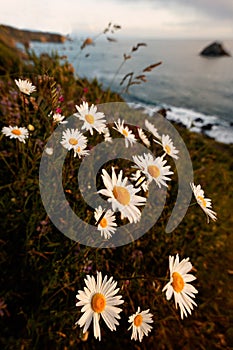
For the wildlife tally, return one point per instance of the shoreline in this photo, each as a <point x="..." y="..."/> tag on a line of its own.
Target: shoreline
<point x="210" y="126"/>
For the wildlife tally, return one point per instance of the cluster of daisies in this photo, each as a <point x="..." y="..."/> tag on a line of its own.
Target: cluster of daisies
<point x="99" y="299"/>
<point x="15" y="132"/>
<point x="120" y="191"/>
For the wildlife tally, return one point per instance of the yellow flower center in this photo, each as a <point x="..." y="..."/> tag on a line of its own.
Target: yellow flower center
<point x="202" y="201"/>
<point x="167" y="149"/>
<point x="153" y="170"/>
<point x="125" y="133"/>
<point x="178" y="282"/>
<point x="138" y="320"/>
<point x="98" y="302"/>
<point x="16" y="132"/>
<point x="31" y="127"/>
<point x="73" y="141"/>
<point x="89" y="118"/>
<point x="78" y="149"/>
<point x="103" y="223"/>
<point x="121" y="194"/>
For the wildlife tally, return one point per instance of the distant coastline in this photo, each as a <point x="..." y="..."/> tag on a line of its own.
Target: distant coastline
<point x="26" y="36"/>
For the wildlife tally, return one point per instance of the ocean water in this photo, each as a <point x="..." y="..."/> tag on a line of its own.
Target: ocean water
<point x="197" y="91"/>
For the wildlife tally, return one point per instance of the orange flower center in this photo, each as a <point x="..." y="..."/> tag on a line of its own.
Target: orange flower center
<point x="78" y="149"/>
<point x="103" y="223"/>
<point x="89" y="118"/>
<point x="73" y="141"/>
<point x="16" y="132"/>
<point x="178" y="282"/>
<point x="167" y="149"/>
<point x="202" y="201"/>
<point x="153" y="170"/>
<point x="121" y="194"/>
<point x="125" y="133"/>
<point x="138" y="320"/>
<point x="98" y="302"/>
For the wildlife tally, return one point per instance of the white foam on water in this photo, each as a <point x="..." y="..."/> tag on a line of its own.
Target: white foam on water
<point x="209" y="125"/>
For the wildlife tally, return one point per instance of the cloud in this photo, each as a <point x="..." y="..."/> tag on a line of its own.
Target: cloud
<point x="141" y="18"/>
<point x="217" y="9"/>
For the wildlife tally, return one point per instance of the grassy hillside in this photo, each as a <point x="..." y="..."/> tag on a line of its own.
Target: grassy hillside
<point x="25" y="36"/>
<point x="42" y="269"/>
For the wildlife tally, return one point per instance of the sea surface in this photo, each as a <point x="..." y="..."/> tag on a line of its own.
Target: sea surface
<point x="197" y="91"/>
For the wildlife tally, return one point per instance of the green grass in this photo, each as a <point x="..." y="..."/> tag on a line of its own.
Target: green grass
<point x="42" y="270"/>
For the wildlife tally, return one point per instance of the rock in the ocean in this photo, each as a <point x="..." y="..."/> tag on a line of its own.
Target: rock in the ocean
<point x="215" y="49"/>
<point x="206" y="127"/>
<point x="198" y="120"/>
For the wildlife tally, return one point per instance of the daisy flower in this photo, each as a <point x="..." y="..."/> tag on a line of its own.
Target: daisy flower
<point x="25" y="86"/>
<point x="107" y="136"/>
<point x="91" y="118"/>
<point x="153" y="169"/>
<point x="150" y="127"/>
<point x="179" y="286"/>
<point x="49" y="151"/>
<point x="168" y="147"/>
<point x="105" y="221"/>
<point x="139" y="322"/>
<point x="81" y="151"/>
<point x="205" y="203"/>
<point x="99" y="299"/>
<point x="140" y="180"/>
<point x="58" y="118"/>
<point x="72" y="139"/>
<point x="122" y="196"/>
<point x="124" y="130"/>
<point x="143" y="137"/>
<point x="16" y="133"/>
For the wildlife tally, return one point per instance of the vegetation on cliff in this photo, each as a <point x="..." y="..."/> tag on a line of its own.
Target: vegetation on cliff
<point x="25" y="36"/>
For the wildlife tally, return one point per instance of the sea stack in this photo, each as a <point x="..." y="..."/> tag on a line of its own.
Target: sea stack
<point x="215" y="49"/>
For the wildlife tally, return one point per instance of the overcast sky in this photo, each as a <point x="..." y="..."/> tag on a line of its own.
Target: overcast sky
<point x="141" y="18"/>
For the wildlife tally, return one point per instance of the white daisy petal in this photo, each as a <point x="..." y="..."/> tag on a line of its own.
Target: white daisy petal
<point x="169" y="292"/>
<point x="88" y="321"/>
<point x="150" y="127"/>
<point x="96" y="325"/>
<point x="107" y="137"/>
<point x="189" y="278"/>
<point x="143" y="137"/>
